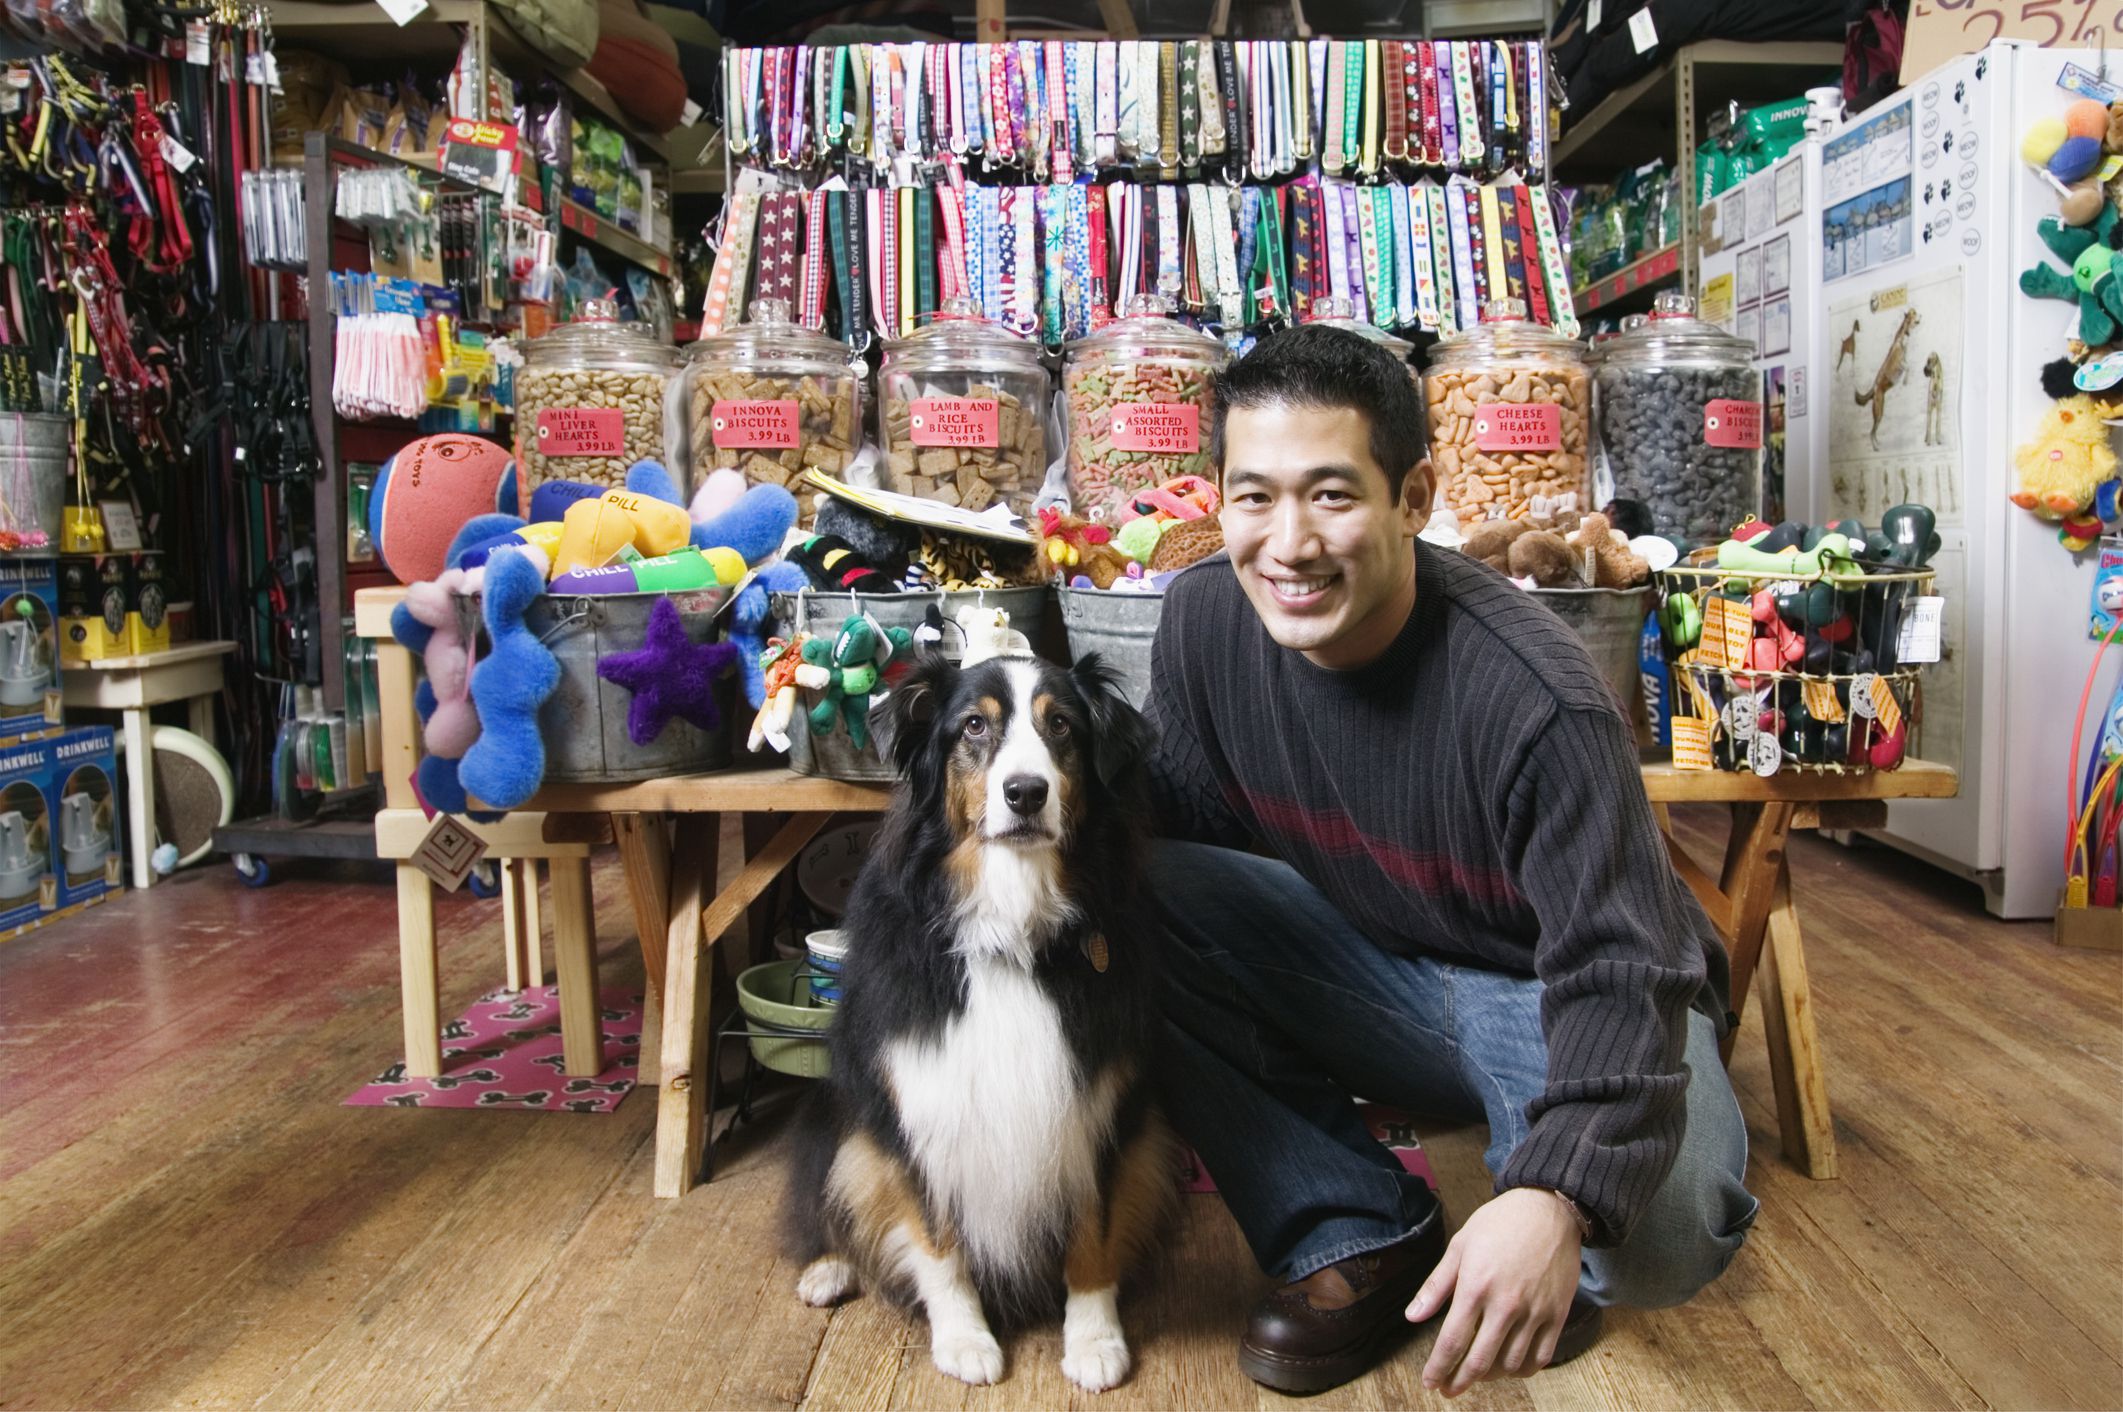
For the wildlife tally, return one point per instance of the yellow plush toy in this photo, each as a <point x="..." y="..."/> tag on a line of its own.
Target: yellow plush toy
<point x="2063" y="467"/>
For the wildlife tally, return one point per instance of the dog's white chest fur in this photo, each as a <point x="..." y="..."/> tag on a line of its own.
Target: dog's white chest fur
<point x="1003" y="1130"/>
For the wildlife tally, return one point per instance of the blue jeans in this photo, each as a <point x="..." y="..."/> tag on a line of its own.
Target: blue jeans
<point x="1280" y="1012"/>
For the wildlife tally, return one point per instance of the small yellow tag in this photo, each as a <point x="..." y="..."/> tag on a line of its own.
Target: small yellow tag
<point x="1886" y="709"/>
<point x="1821" y="703"/>
<point x="1095" y="948"/>
<point x="1691" y="743"/>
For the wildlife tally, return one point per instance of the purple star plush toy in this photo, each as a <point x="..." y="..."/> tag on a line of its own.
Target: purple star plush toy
<point x="671" y="675"/>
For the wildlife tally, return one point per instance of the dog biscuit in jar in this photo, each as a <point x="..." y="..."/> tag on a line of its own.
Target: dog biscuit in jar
<point x="964" y="413"/>
<point x="591" y="401"/>
<point x="773" y="399"/>
<point x="1510" y="408"/>
<point x="1138" y="399"/>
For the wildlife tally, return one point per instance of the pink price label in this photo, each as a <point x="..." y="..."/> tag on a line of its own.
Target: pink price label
<point x="1517" y="426"/>
<point x="956" y="421"/>
<point x="1174" y="427"/>
<point x="582" y="431"/>
<point x="765" y="422"/>
<point x="1727" y="421"/>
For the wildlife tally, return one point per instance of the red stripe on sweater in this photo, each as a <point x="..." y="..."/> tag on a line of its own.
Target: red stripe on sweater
<point x="1335" y="834"/>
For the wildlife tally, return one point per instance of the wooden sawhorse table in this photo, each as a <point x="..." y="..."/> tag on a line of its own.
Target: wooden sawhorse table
<point x="1750" y="902"/>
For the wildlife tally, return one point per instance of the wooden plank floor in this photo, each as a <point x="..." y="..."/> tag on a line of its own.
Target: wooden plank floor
<point x="189" y="1218"/>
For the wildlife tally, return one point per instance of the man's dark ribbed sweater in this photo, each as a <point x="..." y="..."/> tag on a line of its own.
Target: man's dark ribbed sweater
<point x="1472" y="794"/>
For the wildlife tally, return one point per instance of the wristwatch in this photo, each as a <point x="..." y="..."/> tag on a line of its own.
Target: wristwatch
<point x="1577" y="1214"/>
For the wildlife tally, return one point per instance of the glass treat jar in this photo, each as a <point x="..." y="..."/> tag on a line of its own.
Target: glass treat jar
<point x="1335" y="311"/>
<point x="963" y="413"/>
<point x="1138" y="394"/>
<point x="1510" y="412"/>
<point x="773" y="399"/>
<point x="594" y="396"/>
<point x="1680" y="422"/>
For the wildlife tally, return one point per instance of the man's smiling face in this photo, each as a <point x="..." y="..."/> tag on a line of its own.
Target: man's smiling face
<point x="1323" y="546"/>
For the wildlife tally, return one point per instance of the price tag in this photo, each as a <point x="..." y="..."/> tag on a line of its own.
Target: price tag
<point x="955" y="421"/>
<point x="403" y="12"/>
<point x="449" y="853"/>
<point x="1691" y="743"/>
<point x="176" y="153"/>
<point x="1518" y="426"/>
<point x="1821" y="702"/>
<point x="1885" y="709"/>
<point x="743" y="424"/>
<point x="1923" y="620"/>
<point x="1157" y="426"/>
<point x="1743" y="717"/>
<point x="1642" y="32"/>
<point x="1766" y="755"/>
<point x="1728" y="421"/>
<point x="199" y="42"/>
<point x="582" y="431"/>
<point x="1861" y="688"/>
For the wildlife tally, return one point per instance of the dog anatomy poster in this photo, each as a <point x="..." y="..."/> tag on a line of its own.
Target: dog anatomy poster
<point x="1893" y="394"/>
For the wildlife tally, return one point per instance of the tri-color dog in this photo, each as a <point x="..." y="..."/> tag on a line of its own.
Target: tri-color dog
<point x="986" y="1144"/>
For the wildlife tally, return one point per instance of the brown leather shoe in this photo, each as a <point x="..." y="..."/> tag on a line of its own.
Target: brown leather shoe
<point x="1337" y="1323"/>
<point x="1580" y="1331"/>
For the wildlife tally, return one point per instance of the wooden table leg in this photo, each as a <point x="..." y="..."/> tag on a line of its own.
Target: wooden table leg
<point x="645" y="856"/>
<point x="575" y="964"/>
<point x="418" y="997"/>
<point x="1754" y="858"/>
<point x="1795" y="1067"/>
<point x="512" y="923"/>
<point x="140" y="794"/>
<point x="684" y="1056"/>
<point x="199" y="711"/>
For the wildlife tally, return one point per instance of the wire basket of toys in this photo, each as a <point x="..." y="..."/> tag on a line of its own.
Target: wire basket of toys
<point x="1801" y="648"/>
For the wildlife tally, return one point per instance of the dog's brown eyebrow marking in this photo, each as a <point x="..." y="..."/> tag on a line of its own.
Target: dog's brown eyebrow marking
<point x="990" y="707"/>
<point x="1043" y="706"/>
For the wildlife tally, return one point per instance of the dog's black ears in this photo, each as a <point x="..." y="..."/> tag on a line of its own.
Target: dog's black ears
<point x="1121" y="735"/>
<point x="902" y="719"/>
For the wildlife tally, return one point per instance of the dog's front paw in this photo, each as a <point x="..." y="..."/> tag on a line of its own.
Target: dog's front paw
<point x="826" y="1281"/>
<point x="969" y="1355"/>
<point x="1096" y="1362"/>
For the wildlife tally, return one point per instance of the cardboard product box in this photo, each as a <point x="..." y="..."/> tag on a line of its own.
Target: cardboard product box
<point x="93" y="592"/>
<point x="29" y="890"/>
<point x="147" y="605"/>
<point x="87" y="848"/>
<point x="30" y="701"/>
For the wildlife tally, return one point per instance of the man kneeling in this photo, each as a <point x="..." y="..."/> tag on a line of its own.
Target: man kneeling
<point x="1470" y="912"/>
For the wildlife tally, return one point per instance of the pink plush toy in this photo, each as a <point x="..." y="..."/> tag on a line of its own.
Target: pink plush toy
<point x="448" y="659"/>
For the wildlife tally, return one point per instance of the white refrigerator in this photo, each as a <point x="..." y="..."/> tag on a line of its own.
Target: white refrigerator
<point x="1914" y="371"/>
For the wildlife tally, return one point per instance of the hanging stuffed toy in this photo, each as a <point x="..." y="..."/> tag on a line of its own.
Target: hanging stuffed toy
<point x="449" y="722"/>
<point x="779" y="662"/>
<point x="670" y="675"/>
<point x="846" y="671"/>
<point x="2066" y="469"/>
<point x="2092" y="284"/>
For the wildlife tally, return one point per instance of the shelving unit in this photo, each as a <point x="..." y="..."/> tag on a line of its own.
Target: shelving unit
<point x="1631" y="285"/>
<point x="1662" y="115"/>
<point x="582" y="221"/>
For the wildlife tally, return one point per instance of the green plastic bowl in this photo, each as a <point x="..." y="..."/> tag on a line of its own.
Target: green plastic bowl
<point x="775" y="994"/>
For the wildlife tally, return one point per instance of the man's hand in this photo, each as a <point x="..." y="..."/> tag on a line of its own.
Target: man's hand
<point x="1509" y="1274"/>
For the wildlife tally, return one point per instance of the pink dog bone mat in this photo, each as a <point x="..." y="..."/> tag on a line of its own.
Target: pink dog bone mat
<point x="504" y="1052"/>
<point x="1390" y="1126"/>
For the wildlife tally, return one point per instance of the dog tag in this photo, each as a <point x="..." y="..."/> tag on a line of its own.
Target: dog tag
<point x="448" y="853"/>
<point x="1095" y="950"/>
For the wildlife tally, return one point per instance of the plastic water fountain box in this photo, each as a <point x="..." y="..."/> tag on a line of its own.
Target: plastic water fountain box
<point x="111" y="605"/>
<point x="28" y="891"/>
<point x="81" y="795"/>
<point x="30" y="703"/>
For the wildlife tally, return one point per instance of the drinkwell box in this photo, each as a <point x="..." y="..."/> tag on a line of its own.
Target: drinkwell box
<point x="29" y="891"/>
<point x="111" y="605"/>
<point x="30" y="702"/>
<point x="86" y="855"/>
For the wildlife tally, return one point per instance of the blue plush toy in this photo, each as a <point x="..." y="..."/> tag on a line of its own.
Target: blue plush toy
<point x="748" y="621"/>
<point x="506" y="764"/>
<point x="754" y="527"/>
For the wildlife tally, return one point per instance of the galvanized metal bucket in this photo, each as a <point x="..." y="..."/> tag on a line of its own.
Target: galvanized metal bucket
<point x="821" y="614"/>
<point x="1120" y="627"/>
<point x="33" y="455"/>
<point x="1609" y="621"/>
<point x="584" y="722"/>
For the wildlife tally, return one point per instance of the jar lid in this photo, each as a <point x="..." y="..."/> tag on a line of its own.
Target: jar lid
<point x="1674" y="335"/>
<point x="1336" y="311"/>
<point x="771" y="340"/>
<point x="1146" y="329"/>
<point x="960" y="336"/>
<point x="596" y="337"/>
<point x="1505" y="334"/>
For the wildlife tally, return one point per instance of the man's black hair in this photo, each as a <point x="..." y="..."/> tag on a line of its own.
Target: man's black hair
<point x="1323" y="367"/>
